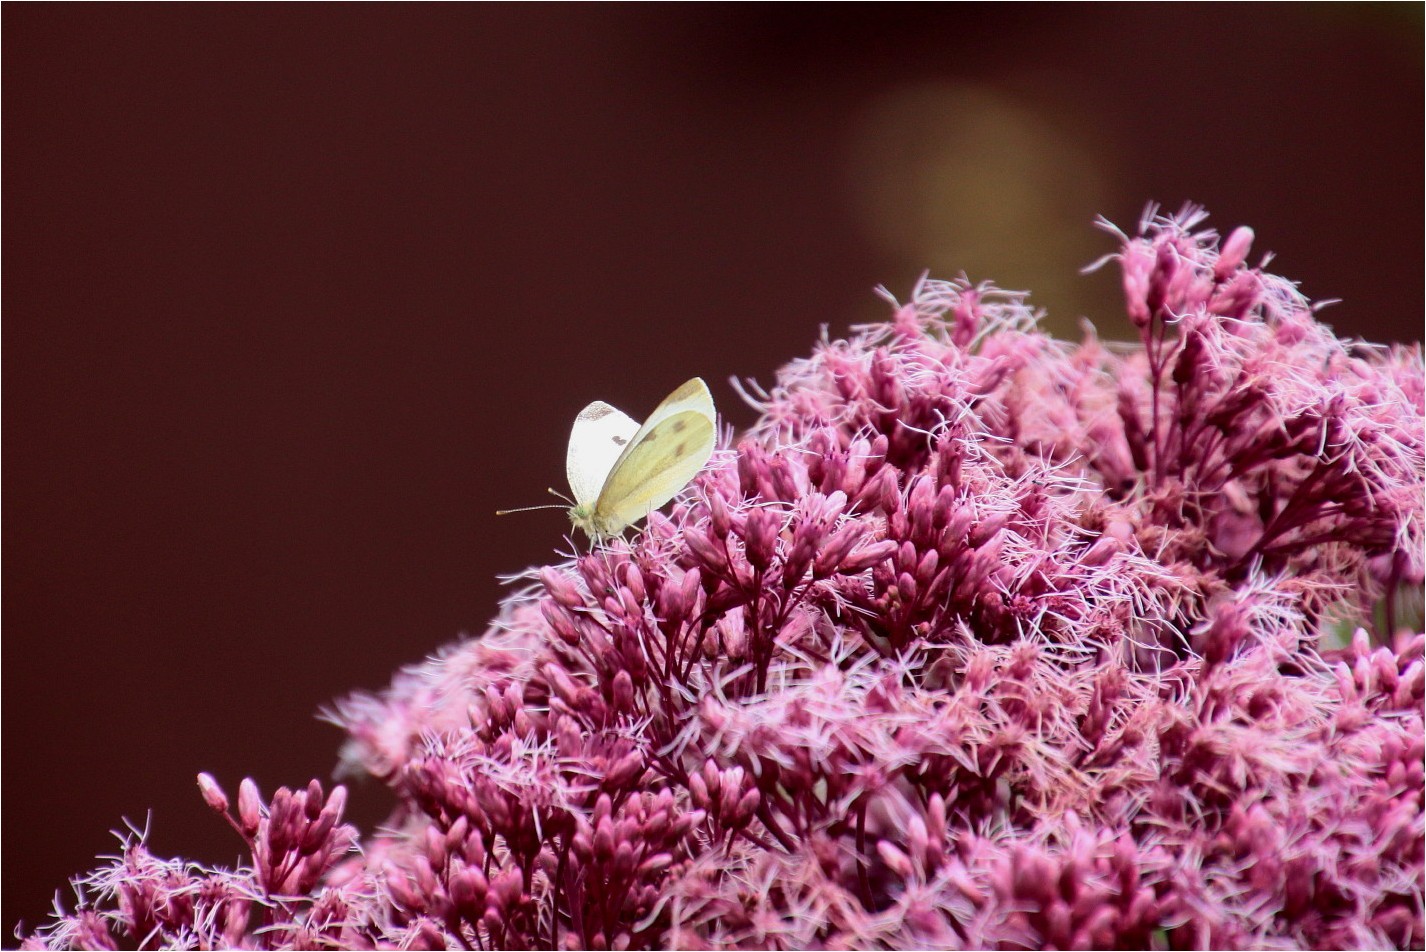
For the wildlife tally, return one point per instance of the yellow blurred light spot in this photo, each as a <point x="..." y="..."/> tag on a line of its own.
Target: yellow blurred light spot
<point x="956" y="178"/>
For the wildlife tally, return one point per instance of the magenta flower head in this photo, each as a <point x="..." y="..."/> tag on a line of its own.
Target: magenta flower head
<point x="978" y="639"/>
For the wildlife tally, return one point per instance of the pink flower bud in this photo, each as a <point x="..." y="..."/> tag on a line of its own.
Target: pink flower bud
<point x="625" y="772"/>
<point x="897" y="861"/>
<point x="752" y="461"/>
<point x="634" y="583"/>
<point x="719" y="517"/>
<point x="707" y="551"/>
<point x="872" y="491"/>
<point x="745" y="810"/>
<point x="1161" y="278"/>
<point x="760" y="536"/>
<point x="1234" y="253"/>
<point x="213" y="794"/>
<point x="281" y="809"/>
<point x="1102" y="551"/>
<point x="835" y="549"/>
<point x="623" y="691"/>
<point x="467" y="890"/>
<point x="507" y="889"/>
<point x="867" y="556"/>
<point x="604" y="840"/>
<point x="249" y="807"/>
<point x="698" y="790"/>
<point x="315" y="835"/>
<point x="312" y="802"/>
<point x="561" y="589"/>
<point x="563" y="686"/>
<point x="624" y="861"/>
<point x="654" y="865"/>
<point x="559" y="623"/>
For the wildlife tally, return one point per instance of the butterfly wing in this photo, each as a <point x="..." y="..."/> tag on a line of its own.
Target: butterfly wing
<point x="600" y="436"/>
<point x="665" y="453"/>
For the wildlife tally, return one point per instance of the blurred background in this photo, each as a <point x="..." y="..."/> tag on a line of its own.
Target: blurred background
<point x="295" y="298"/>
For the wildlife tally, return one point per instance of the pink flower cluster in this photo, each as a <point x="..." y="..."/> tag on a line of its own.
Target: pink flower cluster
<point x="979" y="639"/>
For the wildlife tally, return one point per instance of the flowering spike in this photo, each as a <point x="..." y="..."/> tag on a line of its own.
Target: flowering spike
<point x="977" y="639"/>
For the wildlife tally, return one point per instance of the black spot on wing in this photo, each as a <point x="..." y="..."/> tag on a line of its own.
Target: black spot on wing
<point x="679" y="426"/>
<point x="618" y="440"/>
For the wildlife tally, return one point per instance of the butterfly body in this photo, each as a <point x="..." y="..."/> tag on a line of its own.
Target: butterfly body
<point x="620" y="471"/>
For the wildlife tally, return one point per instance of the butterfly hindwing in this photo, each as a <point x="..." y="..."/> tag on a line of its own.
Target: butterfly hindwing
<point x="658" y="467"/>
<point x="601" y="435"/>
<point x="665" y="453"/>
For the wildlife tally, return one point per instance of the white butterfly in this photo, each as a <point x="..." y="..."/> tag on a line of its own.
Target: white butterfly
<point x="620" y="471"/>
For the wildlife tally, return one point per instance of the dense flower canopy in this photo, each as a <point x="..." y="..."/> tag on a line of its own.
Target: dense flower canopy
<point x="978" y="639"/>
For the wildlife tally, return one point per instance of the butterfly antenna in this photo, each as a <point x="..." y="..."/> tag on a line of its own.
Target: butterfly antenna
<point x="558" y="495"/>
<point x="506" y="512"/>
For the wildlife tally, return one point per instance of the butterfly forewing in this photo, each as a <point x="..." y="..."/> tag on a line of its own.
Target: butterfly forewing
<point x="601" y="435"/>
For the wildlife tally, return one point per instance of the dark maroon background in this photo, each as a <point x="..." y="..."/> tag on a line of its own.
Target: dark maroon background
<point x="295" y="298"/>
